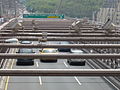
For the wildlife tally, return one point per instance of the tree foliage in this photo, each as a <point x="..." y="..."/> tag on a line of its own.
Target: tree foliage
<point x="71" y="8"/>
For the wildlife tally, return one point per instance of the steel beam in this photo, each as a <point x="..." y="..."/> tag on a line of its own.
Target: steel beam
<point x="52" y="31"/>
<point x="58" y="35"/>
<point x="68" y="38"/>
<point x="49" y="34"/>
<point x="59" y="56"/>
<point x="36" y="31"/>
<point x="10" y="45"/>
<point x="59" y="72"/>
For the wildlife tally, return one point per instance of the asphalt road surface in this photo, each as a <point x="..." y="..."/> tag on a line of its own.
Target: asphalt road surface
<point x="55" y="83"/>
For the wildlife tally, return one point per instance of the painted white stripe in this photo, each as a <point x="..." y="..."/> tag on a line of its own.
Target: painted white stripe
<point x="105" y="78"/>
<point x="111" y="83"/>
<point x="65" y="64"/>
<point x="78" y="81"/>
<point x="37" y="64"/>
<point x="40" y="80"/>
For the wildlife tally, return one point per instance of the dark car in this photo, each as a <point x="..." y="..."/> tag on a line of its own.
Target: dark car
<point x="77" y="62"/>
<point x="64" y="49"/>
<point x="25" y="42"/>
<point x="22" y="61"/>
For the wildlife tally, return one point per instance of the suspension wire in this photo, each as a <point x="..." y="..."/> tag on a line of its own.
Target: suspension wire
<point x="115" y="8"/>
<point x="108" y="16"/>
<point x="102" y="11"/>
<point x="103" y="3"/>
<point x="115" y="13"/>
<point x="59" y="6"/>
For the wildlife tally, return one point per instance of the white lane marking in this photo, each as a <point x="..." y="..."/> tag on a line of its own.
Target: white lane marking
<point x="105" y="78"/>
<point x="77" y="80"/>
<point x="37" y="64"/>
<point x="65" y="64"/>
<point x="111" y="83"/>
<point x="40" y="80"/>
<point x="74" y="76"/>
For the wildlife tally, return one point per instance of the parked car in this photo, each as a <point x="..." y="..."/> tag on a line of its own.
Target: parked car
<point x="48" y="51"/>
<point x="64" y="49"/>
<point x="77" y="62"/>
<point x="25" y="42"/>
<point x="23" y="61"/>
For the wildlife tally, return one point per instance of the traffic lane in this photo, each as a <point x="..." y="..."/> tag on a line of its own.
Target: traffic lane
<point x="48" y="83"/>
<point x="51" y="65"/>
<point x="57" y="83"/>
<point x="72" y="83"/>
<point x="90" y="82"/>
<point x="24" y="82"/>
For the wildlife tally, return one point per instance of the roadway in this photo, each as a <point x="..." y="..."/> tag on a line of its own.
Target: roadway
<point x="54" y="83"/>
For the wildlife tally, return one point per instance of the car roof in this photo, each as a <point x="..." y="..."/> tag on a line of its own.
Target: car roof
<point x="26" y="42"/>
<point x="11" y="40"/>
<point x="76" y="51"/>
<point x="49" y="48"/>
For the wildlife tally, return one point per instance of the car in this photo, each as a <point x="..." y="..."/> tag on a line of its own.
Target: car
<point x="48" y="51"/>
<point x="64" y="49"/>
<point x="12" y="40"/>
<point x="25" y="42"/>
<point x="76" y="62"/>
<point x="22" y="61"/>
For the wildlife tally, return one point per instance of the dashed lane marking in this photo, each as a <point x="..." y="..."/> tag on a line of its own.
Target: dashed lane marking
<point x="37" y="64"/>
<point x="40" y="80"/>
<point x="78" y="81"/>
<point x="65" y="64"/>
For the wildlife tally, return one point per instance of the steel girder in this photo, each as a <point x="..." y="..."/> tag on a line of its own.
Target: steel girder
<point x="59" y="72"/>
<point x="100" y="46"/>
<point x="60" y="56"/>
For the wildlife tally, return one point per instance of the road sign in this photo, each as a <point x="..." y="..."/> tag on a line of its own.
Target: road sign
<point x="61" y="16"/>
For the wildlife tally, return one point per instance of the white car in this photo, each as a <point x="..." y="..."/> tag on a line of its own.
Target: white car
<point x="12" y="40"/>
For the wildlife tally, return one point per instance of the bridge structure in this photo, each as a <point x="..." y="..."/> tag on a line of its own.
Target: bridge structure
<point x="99" y="42"/>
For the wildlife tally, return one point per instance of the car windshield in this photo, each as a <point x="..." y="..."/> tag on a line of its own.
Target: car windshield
<point x="25" y="50"/>
<point x="50" y="51"/>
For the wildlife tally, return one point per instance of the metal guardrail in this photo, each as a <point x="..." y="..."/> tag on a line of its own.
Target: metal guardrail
<point x="59" y="72"/>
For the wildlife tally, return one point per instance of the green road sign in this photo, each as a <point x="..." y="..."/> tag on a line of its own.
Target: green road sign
<point x="61" y="16"/>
